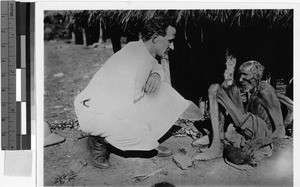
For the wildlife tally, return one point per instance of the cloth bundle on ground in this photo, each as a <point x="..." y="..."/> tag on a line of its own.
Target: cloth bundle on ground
<point x="235" y="140"/>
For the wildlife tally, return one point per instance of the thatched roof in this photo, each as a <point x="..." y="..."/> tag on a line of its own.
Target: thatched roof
<point x="233" y="17"/>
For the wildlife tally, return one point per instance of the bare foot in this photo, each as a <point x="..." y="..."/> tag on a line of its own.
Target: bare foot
<point x="203" y="141"/>
<point x="210" y="154"/>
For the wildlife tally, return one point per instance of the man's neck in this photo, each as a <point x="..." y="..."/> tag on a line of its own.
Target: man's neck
<point x="149" y="45"/>
<point x="254" y="90"/>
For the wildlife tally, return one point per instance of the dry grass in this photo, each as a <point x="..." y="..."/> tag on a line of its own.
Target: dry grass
<point x="68" y="69"/>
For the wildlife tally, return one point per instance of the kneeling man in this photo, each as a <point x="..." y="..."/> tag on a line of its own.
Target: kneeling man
<point x="127" y="104"/>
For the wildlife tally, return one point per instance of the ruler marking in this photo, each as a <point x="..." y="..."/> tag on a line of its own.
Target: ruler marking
<point x="18" y="65"/>
<point x="15" y="18"/>
<point x="8" y="50"/>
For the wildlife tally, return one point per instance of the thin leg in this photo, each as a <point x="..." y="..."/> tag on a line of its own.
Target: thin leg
<point x="216" y="148"/>
<point x="235" y="110"/>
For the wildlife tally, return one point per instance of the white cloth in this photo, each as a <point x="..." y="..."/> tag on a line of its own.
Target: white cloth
<point x="110" y="109"/>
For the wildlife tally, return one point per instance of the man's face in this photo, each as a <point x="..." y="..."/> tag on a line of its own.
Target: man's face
<point x="247" y="79"/>
<point x="164" y="43"/>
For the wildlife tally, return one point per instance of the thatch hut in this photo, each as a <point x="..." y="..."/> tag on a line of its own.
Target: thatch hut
<point x="205" y="37"/>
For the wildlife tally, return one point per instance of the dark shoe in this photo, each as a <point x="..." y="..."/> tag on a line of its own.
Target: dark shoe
<point x="163" y="151"/>
<point x="98" y="152"/>
<point x="169" y="133"/>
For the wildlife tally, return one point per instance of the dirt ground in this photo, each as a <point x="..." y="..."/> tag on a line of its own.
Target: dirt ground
<point x="68" y="69"/>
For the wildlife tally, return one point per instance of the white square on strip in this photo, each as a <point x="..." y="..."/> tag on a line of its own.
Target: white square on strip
<point x="18" y="84"/>
<point x="23" y="118"/>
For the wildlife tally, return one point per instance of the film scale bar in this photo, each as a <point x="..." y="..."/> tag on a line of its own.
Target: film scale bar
<point x="15" y="76"/>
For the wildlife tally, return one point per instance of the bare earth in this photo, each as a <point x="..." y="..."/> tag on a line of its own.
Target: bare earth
<point x="68" y="68"/>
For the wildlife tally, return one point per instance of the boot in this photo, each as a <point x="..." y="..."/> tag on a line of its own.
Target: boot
<point x="99" y="154"/>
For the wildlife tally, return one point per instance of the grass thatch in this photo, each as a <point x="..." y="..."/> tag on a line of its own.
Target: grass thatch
<point x="233" y="17"/>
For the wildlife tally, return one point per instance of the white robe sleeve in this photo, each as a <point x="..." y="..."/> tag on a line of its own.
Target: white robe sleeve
<point x="158" y="68"/>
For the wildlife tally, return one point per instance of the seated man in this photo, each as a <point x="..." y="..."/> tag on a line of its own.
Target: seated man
<point x="127" y="104"/>
<point x="256" y="125"/>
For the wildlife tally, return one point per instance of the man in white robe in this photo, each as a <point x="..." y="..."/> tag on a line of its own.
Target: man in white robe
<point x="127" y="104"/>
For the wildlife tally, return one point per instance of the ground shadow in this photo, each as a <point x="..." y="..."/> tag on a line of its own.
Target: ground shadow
<point x="143" y="154"/>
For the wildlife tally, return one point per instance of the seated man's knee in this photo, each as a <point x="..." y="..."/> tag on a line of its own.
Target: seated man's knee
<point x="214" y="88"/>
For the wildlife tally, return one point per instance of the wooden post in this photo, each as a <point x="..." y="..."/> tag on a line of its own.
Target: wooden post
<point x="84" y="36"/>
<point x="230" y="67"/>
<point x="100" y="34"/>
<point x="73" y="37"/>
<point x="166" y="67"/>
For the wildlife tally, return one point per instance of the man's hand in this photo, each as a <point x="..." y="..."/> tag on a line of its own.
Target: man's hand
<point x="252" y="146"/>
<point x="153" y="83"/>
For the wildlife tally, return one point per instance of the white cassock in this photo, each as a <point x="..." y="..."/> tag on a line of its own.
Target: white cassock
<point x="107" y="107"/>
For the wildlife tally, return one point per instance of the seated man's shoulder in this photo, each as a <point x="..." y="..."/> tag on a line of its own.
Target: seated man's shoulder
<point x="266" y="87"/>
<point x="267" y="91"/>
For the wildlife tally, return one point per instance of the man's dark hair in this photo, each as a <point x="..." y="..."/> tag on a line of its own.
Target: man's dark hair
<point x="156" y="26"/>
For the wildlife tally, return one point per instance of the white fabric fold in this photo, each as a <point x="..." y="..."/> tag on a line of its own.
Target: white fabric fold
<point x="111" y="111"/>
